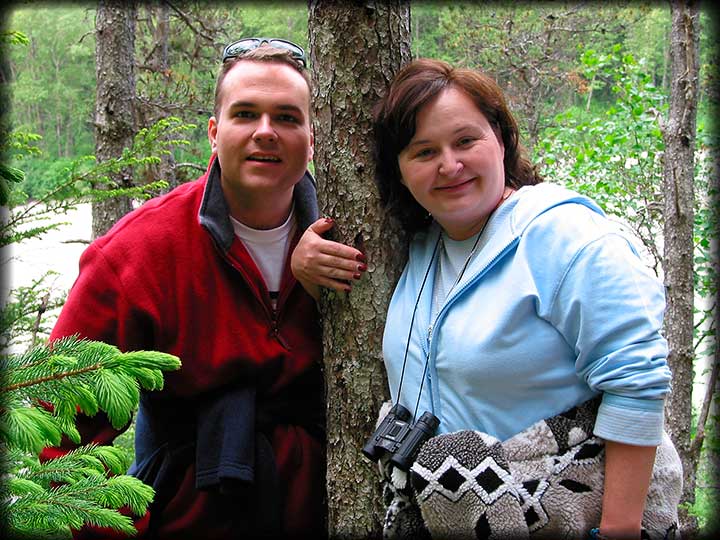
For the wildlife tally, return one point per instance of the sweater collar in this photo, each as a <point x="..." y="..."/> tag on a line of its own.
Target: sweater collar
<point x="507" y="224"/>
<point x="214" y="212"/>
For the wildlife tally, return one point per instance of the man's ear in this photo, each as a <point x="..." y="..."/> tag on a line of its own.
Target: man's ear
<point x="311" y="150"/>
<point x="212" y="133"/>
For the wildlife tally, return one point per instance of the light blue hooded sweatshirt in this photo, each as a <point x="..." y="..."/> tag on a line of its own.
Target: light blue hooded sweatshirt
<point x="555" y="307"/>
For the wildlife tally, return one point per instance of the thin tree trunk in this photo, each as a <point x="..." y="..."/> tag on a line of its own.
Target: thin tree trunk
<point x="114" y="101"/>
<point x="712" y="454"/>
<point x="165" y="170"/>
<point x="355" y="48"/>
<point x="679" y="135"/>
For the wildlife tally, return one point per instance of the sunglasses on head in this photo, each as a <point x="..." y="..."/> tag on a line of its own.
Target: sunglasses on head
<point x="240" y="47"/>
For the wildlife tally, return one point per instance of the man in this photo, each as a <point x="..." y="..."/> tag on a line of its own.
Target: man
<point x="234" y="443"/>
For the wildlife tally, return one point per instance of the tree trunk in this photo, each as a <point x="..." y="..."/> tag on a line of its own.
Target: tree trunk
<point x="148" y="114"/>
<point x="114" y="100"/>
<point x="355" y="50"/>
<point x="679" y="135"/>
<point x="712" y="528"/>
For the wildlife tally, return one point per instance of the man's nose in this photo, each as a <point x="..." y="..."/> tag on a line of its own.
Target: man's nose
<point x="264" y="130"/>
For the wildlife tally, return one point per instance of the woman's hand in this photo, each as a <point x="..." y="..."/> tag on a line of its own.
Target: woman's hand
<point x="318" y="262"/>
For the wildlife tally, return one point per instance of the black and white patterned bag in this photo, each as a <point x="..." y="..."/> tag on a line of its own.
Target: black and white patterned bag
<point x="545" y="482"/>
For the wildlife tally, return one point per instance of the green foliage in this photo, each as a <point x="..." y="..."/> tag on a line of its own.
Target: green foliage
<point x="706" y="504"/>
<point x="8" y="176"/>
<point x="530" y="48"/>
<point x="54" y="77"/>
<point x="13" y="37"/>
<point x="74" y="375"/>
<point x="47" y="500"/>
<point x="87" y="485"/>
<point x="614" y="157"/>
<point x="21" y="320"/>
<point x="85" y="180"/>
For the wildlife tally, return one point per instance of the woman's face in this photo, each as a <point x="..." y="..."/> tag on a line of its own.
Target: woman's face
<point x="453" y="166"/>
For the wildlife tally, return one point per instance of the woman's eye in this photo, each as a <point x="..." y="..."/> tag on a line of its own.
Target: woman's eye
<point x="465" y="141"/>
<point x="425" y="152"/>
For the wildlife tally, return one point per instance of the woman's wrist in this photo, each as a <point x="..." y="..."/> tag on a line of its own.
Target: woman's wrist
<point x="597" y="534"/>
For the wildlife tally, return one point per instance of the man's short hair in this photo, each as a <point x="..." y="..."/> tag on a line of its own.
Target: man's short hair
<point x="264" y="53"/>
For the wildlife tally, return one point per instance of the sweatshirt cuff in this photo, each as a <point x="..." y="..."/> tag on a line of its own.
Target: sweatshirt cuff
<point x="630" y="420"/>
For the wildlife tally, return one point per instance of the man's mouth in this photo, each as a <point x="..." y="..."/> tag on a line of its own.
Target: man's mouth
<point x="265" y="158"/>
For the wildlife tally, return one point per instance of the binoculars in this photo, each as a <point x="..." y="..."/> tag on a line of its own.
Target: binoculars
<point x="396" y="437"/>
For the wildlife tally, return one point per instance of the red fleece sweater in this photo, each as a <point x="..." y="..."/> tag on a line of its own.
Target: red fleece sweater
<point x="172" y="277"/>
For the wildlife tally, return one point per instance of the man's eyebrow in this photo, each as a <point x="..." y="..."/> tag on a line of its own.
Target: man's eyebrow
<point x="252" y="105"/>
<point x="248" y="104"/>
<point x="290" y="108"/>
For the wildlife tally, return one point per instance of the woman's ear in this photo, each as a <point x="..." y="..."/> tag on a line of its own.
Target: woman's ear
<point x="498" y="135"/>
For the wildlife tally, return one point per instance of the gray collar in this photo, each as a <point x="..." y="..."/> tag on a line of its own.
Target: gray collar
<point x="214" y="211"/>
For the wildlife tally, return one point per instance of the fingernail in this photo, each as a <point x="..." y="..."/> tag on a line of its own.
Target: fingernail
<point x="360" y="257"/>
<point x="328" y="220"/>
<point x="362" y="267"/>
<point x="357" y="275"/>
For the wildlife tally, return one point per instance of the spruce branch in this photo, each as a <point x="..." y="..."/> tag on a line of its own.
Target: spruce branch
<point x="73" y="373"/>
<point x="85" y="486"/>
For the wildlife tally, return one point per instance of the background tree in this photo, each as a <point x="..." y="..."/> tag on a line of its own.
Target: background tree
<point x="355" y="51"/>
<point x="679" y="136"/>
<point x="114" y="100"/>
<point x="529" y="48"/>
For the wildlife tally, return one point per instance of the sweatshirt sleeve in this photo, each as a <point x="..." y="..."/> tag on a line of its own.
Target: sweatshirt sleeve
<point x="609" y="307"/>
<point x="96" y="309"/>
<point x="100" y="308"/>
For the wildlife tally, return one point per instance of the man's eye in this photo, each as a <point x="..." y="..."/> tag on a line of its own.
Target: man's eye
<point x="288" y="118"/>
<point x="245" y="114"/>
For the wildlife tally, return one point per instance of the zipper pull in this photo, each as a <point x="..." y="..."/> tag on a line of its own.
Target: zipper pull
<point x="275" y="331"/>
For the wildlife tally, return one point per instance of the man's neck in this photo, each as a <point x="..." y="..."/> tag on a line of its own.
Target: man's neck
<point x="263" y="212"/>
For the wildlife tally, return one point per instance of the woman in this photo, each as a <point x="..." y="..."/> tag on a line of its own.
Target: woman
<point x="520" y="300"/>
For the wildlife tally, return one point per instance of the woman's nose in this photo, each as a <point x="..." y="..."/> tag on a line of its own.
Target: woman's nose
<point x="450" y="165"/>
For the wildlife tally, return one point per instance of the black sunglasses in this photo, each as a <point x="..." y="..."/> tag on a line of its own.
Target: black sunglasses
<point x="240" y="47"/>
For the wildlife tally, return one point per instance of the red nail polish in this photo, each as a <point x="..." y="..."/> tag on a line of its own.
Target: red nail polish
<point x="357" y="275"/>
<point x="360" y="257"/>
<point x="362" y="267"/>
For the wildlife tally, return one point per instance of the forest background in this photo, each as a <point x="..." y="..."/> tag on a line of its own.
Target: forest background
<point x="589" y="83"/>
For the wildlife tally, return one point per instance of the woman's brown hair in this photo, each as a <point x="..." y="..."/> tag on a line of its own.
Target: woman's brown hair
<point x="416" y="85"/>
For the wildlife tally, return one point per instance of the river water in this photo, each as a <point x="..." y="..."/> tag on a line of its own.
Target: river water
<point x="57" y="251"/>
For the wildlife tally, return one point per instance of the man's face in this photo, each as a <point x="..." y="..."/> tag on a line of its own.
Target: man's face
<point x="262" y="133"/>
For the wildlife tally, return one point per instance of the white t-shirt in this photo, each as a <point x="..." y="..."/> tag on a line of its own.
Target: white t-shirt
<point x="452" y="257"/>
<point x="268" y="249"/>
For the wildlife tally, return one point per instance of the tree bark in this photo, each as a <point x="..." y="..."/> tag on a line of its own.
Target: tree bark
<point x="679" y="136"/>
<point x="114" y="100"/>
<point x="355" y="50"/>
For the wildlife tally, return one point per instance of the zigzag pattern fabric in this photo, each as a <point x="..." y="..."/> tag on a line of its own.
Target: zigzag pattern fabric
<point x="545" y="482"/>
